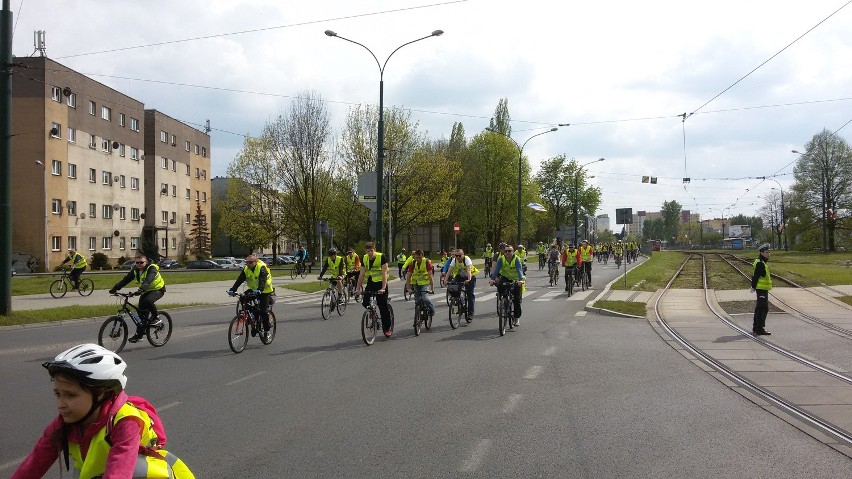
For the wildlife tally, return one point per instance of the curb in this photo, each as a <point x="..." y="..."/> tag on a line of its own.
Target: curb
<point x="608" y="312"/>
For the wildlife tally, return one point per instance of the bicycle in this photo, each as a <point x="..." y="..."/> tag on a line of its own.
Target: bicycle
<point x="457" y="294"/>
<point x="505" y="307"/>
<point x="569" y="279"/>
<point x="331" y="299"/>
<point x="487" y="267"/>
<point x="370" y="321"/>
<point x="298" y="269"/>
<point x="349" y="287"/>
<point x="586" y="281"/>
<point x="113" y="332"/>
<point x="421" y="315"/>
<point x="540" y="261"/>
<point x="248" y="314"/>
<point x="554" y="274"/>
<point x="62" y="285"/>
<point x="405" y="293"/>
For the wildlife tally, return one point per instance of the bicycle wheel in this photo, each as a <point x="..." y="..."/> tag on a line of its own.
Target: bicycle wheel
<point x="369" y="325"/>
<point x="303" y="271"/>
<point x="406" y="294"/>
<point x="113" y="334"/>
<point x="455" y="317"/>
<point x="417" y="319"/>
<point x="583" y="280"/>
<point x="238" y="333"/>
<point x="267" y="336"/>
<point x="58" y="288"/>
<point x="293" y="272"/>
<point x="428" y="320"/>
<point x="341" y="305"/>
<point x="392" y="321"/>
<point x="569" y="281"/>
<point x="327" y="304"/>
<point x="510" y="314"/>
<point x="86" y="287"/>
<point x="159" y="335"/>
<point x="501" y="317"/>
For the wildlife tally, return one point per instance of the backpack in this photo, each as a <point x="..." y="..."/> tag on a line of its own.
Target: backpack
<point x="157" y="426"/>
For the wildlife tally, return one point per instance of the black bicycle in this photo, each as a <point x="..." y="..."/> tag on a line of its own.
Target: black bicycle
<point x="457" y="294"/>
<point x="421" y="314"/>
<point x="371" y="321"/>
<point x="553" y="272"/>
<point x="62" y="285"/>
<point x="298" y="269"/>
<point x="113" y="332"/>
<point x="505" y="306"/>
<point x="541" y="259"/>
<point x="332" y="300"/>
<point x="248" y="321"/>
<point x="487" y="267"/>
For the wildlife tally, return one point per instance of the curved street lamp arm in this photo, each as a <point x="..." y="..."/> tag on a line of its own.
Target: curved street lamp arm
<point x="382" y="68"/>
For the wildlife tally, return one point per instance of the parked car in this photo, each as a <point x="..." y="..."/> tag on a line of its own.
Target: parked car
<point x="129" y="264"/>
<point x="202" y="264"/>
<point x="225" y="263"/>
<point x="240" y="262"/>
<point x="168" y="264"/>
<point x="287" y="259"/>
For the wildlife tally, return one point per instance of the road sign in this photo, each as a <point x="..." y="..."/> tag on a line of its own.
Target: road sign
<point x="367" y="189"/>
<point x="624" y="216"/>
<point x="456" y="229"/>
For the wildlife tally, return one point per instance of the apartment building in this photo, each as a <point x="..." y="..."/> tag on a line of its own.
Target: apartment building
<point x="80" y="173"/>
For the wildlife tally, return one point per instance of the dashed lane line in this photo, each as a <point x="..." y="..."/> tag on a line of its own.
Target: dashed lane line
<point x="168" y="406"/>
<point x="246" y="378"/>
<point x="511" y="403"/>
<point x="533" y="372"/>
<point x="549" y="351"/>
<point x="476" y="456"/>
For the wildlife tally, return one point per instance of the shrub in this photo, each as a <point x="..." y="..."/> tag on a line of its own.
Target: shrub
<point x="99" y="261"/>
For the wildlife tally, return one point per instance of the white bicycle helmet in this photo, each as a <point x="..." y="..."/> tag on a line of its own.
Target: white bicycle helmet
<point x="90" y="364"/>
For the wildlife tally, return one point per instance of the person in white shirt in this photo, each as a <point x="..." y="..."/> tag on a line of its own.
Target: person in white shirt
<point x="461" y="268"/>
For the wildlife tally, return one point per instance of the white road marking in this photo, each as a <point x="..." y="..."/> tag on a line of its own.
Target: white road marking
<point x="310" y="355"/>
<point x="580" y="313"/>
<point x="511" y="403"/>
<point x="246" y="378"/>
<point x="475" y="459"/>
<point x="549" y="351"/>
<point x="168" y="406"/>
<point x="12" y="463"/>
<point x="548" y="296"/>
<point x="533" y="372"/>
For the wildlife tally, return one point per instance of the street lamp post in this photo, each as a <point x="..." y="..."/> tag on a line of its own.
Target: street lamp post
<point x="577" y="194"/>
<point x="520" y="163"/>
<point x="380" y="159"/>
<point x="44" y="207"/>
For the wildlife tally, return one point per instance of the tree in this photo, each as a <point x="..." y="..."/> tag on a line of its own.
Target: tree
<point x="346" y="215"/>
<point x="824" y="184"/>
<point x="200" y="233"/>
<point x="556" y="182"/>
<point x="501" y="121"/>
<point x="487" y="200"/>
<point x="671" y="220"/>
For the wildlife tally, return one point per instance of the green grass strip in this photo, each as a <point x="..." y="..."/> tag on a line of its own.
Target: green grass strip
<point x="70" y="312"/>
<point x="627" y="307"/>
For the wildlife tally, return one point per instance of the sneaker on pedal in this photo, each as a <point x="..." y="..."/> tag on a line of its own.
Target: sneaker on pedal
<point x="136" y="337"/>
<point x="156" y="323"/>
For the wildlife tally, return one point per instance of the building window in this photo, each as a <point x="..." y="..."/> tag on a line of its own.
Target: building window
<point x="134" y="183"/>
<point x="56" y="206"/>
<point x="122" y="213"/>
<point x="121" y="181"/>
<point x="204" y="151"/>
<point x="106" y="177"/>
<point x="164" y="164"/>
<point x="121" y="149"/>
<point x="187" y="170"/>
<point x="56" y="167"/>
<point x="106" y="242"/>
<point x="55" y="130"/>
<point x="174" y="165"/>
<point x="72" y="210"/>
<point x="105" y="145"/>
<point x="187" y="193"/>
<point x="196" y="149"/>
<point x="121" y="243"/>
<point x="72" y="100"/>
<point x="91" y="111"/>
<point x="72" y="242"/>
<point x="121" y="119"/>
<point x="204" y="196"/>
<point x="173" y="219"/>
<point x="93" y="209"/>
<point x="134" y="214"/>
<point x="106" y="113"/>
<point x="134" y="242"/>
<point x="197" y="173"/>
<point x="174" y="140"/>
<point x="187" y="218"/>
<point x="92" y="243"/>
<point x="93" y="175"/>
<point x="72" y="170"/>
<point x="93" y="141"/>
<point x="164" y="188"/>
<point x="134" y="153"/>
<point x="55" y="243"/>
<point x="186" y="145"/>
<point x="174" y="191"/>
<point x="56" y="94"/>
<point x="72" y="135"/>
<point x="197" y="196"/>
<point x="163" y="243"/>
<point x="134" y="124"/>
<point x="164" y="216"/>
<point x="164" y="137"/>
<point x="106" y="212"/>
<point x="203" y="174"/>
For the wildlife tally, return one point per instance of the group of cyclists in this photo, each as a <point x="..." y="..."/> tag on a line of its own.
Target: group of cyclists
<point x="617" y="250"/>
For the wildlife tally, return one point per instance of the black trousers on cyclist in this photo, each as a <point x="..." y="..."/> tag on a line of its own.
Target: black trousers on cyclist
<point x="74" y="275"/>
<point x="147" y="308"/>
<point x="569" y="275"/>
<point x="516" y="297"/>
<point x="469" y="292"/>
<point x="587" y="267"/>
<point x="381" y="301"/>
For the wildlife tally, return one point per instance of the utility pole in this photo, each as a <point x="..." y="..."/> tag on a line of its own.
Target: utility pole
<point x="5" y="159"/>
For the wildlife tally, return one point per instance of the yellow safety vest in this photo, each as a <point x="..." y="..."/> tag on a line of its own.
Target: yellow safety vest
<point x="420" y="276"/>
<point x="586" y="253"/>
<point x="570" y="258"/>
<point x="158" y="283"/>
<point x="488" y="252"/>
<point x="253" y="277"/>
<point x="374" y="270"/>
<point x="510" y="270"/>
<point x="764" y="282"/>
<point x="334" y="266"/>
<point x="350" y="262"/>
<point x="459" y="264"/>
<point x="78" y="260"/>
<point x="154" y="463"/>
<point x="400" y="258"/>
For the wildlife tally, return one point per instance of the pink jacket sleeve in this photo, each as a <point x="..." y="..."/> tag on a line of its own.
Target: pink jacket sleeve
<point x="125" y="449"/>
<point x="43" y="455"/>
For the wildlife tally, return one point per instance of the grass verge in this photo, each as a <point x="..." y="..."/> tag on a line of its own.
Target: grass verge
<point x="70" y="312"/>
<point x="846" y="299"/>
<point x="627" y="307"/>
<point x="653" y="274"/>
<point x="309" y="287"/>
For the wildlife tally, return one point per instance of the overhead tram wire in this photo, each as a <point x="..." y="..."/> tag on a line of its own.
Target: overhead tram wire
<point x="264" y="29"/>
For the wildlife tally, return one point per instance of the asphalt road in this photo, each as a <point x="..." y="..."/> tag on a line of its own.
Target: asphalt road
<point x="568" y="394"/>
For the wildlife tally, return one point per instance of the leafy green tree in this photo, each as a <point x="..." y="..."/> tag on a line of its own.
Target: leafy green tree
<point x="671" y="220"/>
<point x="346" y="215"/>
<point x="488" y="198"/>
<point x="501" y="121"/>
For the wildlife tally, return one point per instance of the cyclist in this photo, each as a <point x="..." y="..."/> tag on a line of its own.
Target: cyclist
<point x="521" y="252"/>
<point x="301" y="257"/>
<point x="586" y="256"/>
<point x="542" y="252"/>
<point x="336" y="265"/>
<point x="487" y="255"/>
<point x="419" y="276"/>
<point x="79" y="262"/>
<point x="553" y="258"/>
<point x="152" y="287"/>
<point x="258" y="278"/>
<point x="508" y="268"/>
<point x="374" y="277"/>
<point x="400" y="260"/>
<point x="571" y="260"/>
<point x="461" y="268"/>
<point x="352" y="263"/>
<point x="97" y="418"/>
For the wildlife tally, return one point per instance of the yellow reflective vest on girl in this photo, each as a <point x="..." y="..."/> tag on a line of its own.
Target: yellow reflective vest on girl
<point x="151" y="463"/>
<point x="373" y="268"/>
<point x="420" y="275"/>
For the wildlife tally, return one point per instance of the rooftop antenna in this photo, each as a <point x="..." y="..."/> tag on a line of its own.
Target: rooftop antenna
<point x="207" y="126"/>
<point x="39" y="42"/>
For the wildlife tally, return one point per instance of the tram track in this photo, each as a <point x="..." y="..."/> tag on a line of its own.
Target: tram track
<point x="798" y="411"/>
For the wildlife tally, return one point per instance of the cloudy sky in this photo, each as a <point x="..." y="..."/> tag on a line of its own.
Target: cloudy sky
<point x="620" y="72"/>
